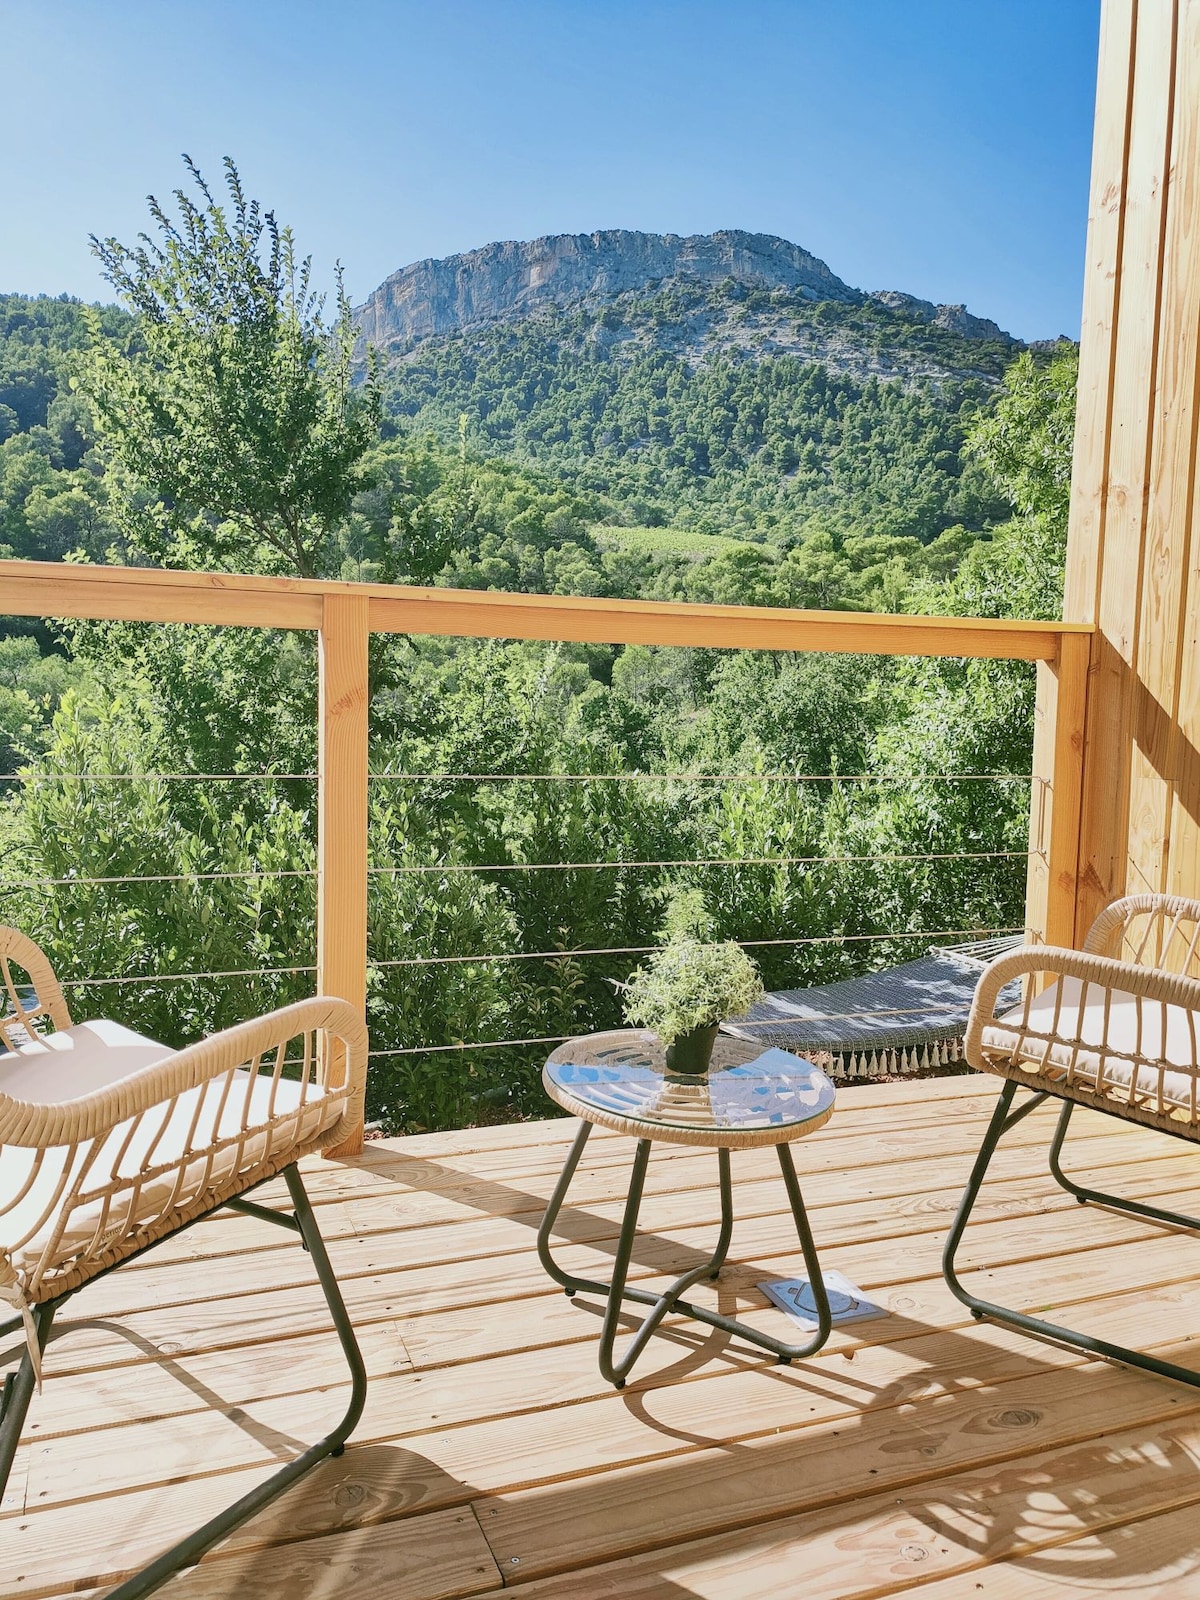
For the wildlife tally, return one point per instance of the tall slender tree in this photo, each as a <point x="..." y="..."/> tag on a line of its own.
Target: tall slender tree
<point x="234" y="428"/>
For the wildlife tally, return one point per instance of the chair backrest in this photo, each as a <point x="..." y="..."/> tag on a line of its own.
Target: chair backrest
<point x="29" y="992"/>
<point x="1150" y="930"/>
<point x="88" y="1180"/>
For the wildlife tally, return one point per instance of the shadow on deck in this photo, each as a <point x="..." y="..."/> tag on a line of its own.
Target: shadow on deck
<point x="920" y="1452"/>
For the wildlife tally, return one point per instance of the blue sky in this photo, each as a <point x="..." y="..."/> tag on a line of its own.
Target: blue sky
<point x="936" y="146"/>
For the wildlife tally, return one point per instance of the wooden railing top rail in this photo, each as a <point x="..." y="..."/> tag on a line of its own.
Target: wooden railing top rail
<point x="150" y="594"/>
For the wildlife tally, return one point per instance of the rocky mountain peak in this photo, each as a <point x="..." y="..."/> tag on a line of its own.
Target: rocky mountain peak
<point x="514" y="278"/>
<point x="955" y="319"/>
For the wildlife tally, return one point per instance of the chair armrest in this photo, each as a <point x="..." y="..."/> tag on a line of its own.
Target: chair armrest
<point x="38" y="1125"/>
<point x="1148" y="983"/>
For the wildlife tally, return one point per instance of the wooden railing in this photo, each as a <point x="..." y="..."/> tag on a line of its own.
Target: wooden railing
<point x="345" y="614"/>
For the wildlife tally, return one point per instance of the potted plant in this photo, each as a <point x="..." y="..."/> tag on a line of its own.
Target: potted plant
<point x="687" y="989"/>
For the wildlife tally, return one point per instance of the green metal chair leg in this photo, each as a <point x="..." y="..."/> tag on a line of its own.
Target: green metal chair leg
<point x="18" y="1391"/>
<point x="1003" y="1119"/>
<point x="1116" y="1202"/>
<point x="189" y="1550"/>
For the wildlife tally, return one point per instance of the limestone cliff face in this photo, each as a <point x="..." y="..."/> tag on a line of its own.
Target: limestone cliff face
<point x="955" y="319"/>
<point x="511" y="279"/>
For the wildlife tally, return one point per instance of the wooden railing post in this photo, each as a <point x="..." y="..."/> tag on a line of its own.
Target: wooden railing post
<point x="1057" y="799"/>
<point x="342" y="811"/>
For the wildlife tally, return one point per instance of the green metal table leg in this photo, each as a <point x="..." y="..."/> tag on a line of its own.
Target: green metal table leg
<point x="813" y="1266"/>
<point x="616" y="1370"/>
<point x="546" y="1228"/>
<point x="725" y="1179"/>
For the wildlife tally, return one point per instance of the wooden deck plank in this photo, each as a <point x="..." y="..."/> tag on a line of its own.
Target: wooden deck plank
<point x="181" y="1383"/>
<point x="449" y="1197"/>
<point x="1033" y="1510"/>
<point x="1154" y="1559"/>
<point x="726" y="1405"/>
<point x="380" y="1479"/>
<point x="385" y="1169"/>
<point x="903" y="1103"/>
<point x="469" y="1336"/>
<point x="404" y="1292"/>
<point x="100" y="1538"/>
<point x="502" y="1265"/>
<point x="171" y="1386"/>
<point x="557" y="1527"/>
<point x="714" y="1467"/>
<point x="166" y="1331"/>
<point x="378" y="1189"/>
<point x="441" y="1556"/>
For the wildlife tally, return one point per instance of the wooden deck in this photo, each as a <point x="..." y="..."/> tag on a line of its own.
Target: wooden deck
<point x="920" y="1452"/>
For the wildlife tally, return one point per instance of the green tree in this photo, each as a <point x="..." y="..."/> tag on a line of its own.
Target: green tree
<point x="235" y="432"/>
<point x="1024" y="441"/>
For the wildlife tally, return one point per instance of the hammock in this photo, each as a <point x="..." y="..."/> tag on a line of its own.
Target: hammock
<point x="905" y="1019"/>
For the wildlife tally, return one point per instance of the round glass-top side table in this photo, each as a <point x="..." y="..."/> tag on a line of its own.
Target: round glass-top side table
<point x="749" y="1097"/>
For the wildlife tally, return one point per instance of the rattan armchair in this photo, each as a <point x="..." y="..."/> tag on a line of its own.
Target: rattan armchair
<point x="110" y="1142"/>
<point x="1113" y="1026"/>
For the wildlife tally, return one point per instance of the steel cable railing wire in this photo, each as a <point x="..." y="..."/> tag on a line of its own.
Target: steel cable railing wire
<point x="145" y="979"/>
<point x="502" y="1044"/>
<point x="529" y="866"/>
<point x="157" y="777"/>
<point x="649" y="949"/>
<point x="709" y="861"/>
<point x="438" y="868"/>
<point x="158" y="877"/>
<point x="526" y="777"/>
<point x="700" y="777"/>
<point x="484" y="958"/>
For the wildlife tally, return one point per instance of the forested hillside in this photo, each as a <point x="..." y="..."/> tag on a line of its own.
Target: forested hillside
<point x="726" y="409"/>
<point x="615" y="451"/>
<point x="52" y="498"/>
<point x="520" y="455"/>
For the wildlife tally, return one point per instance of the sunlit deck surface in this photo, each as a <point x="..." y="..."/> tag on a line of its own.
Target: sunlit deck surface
<point x="920" y="1451"/>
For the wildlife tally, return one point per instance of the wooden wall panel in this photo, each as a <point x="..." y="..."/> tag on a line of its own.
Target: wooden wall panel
<point x="1179" y="483"/>
<point x="1131" y="564"/>
<point x="1089" y="479"/>
<point x="1114" y="472"/>
<point x="1105" y="235"/>
<point x="1062" y="849"/>
<point x="1156" y="775"/>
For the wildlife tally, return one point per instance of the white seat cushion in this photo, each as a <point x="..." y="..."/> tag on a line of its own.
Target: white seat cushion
<point x="177" y="1138"/>
<point x="1065" y="1035"/>
<point x="76" y="1061"/>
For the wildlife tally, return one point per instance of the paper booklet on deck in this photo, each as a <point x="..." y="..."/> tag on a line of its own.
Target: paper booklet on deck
<point x="846" y="1303"/>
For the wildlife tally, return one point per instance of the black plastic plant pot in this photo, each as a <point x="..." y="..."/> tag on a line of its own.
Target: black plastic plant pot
<point x="690" y="1053"/>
